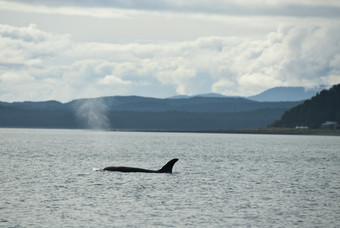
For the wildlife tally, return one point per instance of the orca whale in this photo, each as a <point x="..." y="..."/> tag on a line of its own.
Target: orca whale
<point x="167" y="168"/>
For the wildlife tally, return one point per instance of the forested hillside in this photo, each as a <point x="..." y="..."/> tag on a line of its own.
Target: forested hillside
<point x="141" y="113"/>
<point x="325" y="106"/>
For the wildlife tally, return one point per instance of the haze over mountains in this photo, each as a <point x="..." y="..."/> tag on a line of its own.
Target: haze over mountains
<point x="287" y="94"/>
<point x="274" y="94"/>
<point x="201" y="112"/>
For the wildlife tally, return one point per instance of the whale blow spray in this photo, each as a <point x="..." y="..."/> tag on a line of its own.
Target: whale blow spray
<point x="93" y="114"/>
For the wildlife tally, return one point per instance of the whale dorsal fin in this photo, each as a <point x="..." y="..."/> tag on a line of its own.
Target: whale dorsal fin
<point x="167" y="168"/>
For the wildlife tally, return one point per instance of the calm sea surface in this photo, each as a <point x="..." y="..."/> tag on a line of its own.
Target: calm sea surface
<point x="50" y="178"/>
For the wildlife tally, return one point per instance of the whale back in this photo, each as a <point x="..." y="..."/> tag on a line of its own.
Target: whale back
<point x="167" y="168"/>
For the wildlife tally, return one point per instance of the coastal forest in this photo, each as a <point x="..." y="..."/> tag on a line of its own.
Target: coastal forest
<point x="324" y="106"/>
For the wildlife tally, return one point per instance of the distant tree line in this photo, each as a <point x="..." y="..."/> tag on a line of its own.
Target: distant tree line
<point x="140" y="113"/>
<point x="131" y="120"/>
<point x="325" y="106"/>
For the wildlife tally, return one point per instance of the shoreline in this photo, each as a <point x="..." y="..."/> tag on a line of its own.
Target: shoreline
<point x="288" y="131"/>
<point x="265" y="131"/>
<point x="271" y="131"/>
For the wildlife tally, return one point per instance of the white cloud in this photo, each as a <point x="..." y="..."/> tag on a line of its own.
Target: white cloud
<point x="12" y="79"/>
<point x="28" y="46"/>
<point x="113" y="80"/>
<point x="37" y="65"/>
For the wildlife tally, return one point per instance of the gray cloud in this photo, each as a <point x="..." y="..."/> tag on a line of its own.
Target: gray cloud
<point x="316" y="8"/>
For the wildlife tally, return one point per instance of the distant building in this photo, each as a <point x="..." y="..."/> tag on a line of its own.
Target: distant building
<point x="329" y="124"/>
<point x="301" y="127"/>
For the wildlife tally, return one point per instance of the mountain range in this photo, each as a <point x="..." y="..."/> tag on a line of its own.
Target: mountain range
<point x="201" y="112"/>
<point x="287" y="94"/>
<point x="272" y="95"/>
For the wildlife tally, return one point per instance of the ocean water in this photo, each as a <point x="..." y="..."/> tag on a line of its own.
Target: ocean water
<point x="50" y="178"/>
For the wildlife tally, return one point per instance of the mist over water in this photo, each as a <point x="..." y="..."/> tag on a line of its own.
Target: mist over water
<point x="92" y="113"/>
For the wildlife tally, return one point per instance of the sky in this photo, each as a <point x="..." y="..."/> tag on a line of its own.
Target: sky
<point x="67" y="49"/>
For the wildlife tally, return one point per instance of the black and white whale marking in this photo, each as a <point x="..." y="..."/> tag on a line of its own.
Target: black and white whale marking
<point x="167" y="168"/>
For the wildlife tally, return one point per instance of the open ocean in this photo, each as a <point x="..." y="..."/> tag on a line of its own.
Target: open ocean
<point x="52" y="178"/>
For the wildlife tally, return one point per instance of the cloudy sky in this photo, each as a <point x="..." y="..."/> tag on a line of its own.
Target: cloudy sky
<point x="68" y="49"/>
